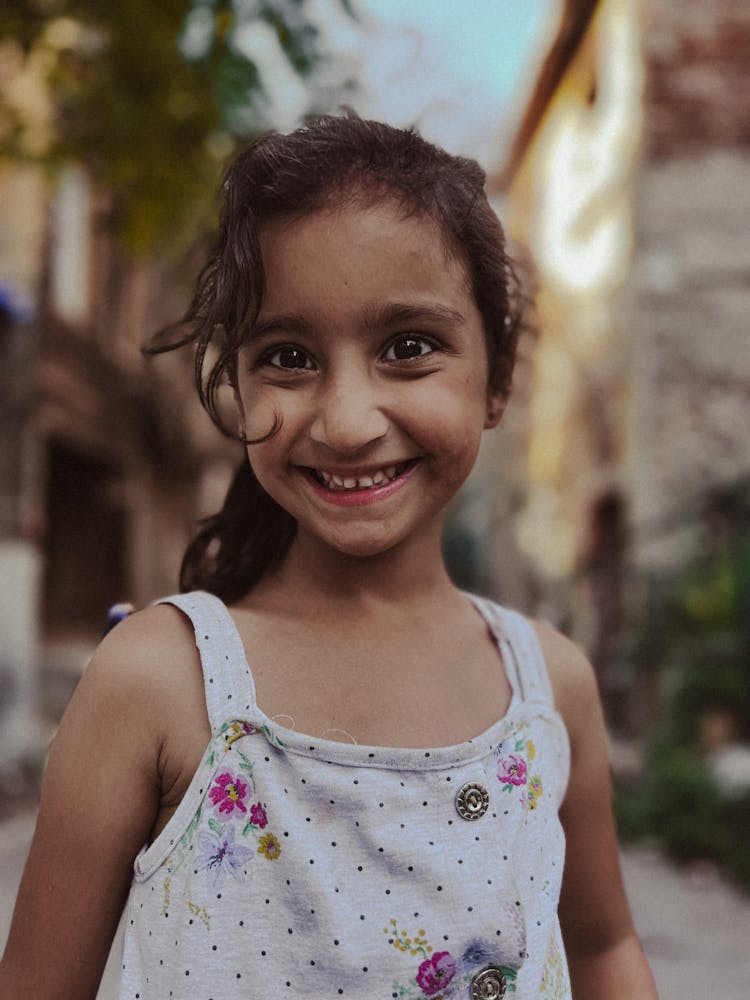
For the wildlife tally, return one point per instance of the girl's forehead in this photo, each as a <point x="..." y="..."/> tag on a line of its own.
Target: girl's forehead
<point x="361" y="259"/>
<point x="349" y="205"/>
<point x="358" y="212"/>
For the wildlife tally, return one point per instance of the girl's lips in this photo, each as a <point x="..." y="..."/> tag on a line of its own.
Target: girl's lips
<point x="363" y="478"/>
<point x="348" y="490"/>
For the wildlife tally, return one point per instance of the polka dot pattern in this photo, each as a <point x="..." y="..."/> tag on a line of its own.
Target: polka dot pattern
<point x="321" y="869"/>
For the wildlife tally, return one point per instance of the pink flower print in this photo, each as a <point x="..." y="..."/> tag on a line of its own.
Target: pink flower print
<point x="228" y="793"/>
<point x="436" y="972"/>
<point x="512" y="770"/>
<point x="258" y="815"/>
<point x="218" y="854"/>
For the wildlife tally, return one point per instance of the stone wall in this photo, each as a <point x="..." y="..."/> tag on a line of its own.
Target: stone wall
<point x="690" y="289"/>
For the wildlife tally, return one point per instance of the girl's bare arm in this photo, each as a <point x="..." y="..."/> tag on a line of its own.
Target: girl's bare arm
<point x="99" y="800"/>
<point x="604" y="954"/>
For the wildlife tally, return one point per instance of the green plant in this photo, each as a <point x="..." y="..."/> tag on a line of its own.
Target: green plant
<point x="684" y="805"/>
<point x="695" y="635"/>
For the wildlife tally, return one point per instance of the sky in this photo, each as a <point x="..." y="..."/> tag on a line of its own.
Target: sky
<point x="460" y="70"/>
<point x="461" y="67"/>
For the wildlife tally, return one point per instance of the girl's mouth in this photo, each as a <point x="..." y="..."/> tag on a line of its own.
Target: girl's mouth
<point x="363" y="489"/>
<point x="380" y="477"/>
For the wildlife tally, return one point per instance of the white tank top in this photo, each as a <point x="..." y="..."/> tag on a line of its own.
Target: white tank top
<point x="302" y="867"/>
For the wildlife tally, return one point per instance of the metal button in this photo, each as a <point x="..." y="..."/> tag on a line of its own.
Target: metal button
<point x="489" y="984"/>
<point x="472" y="800"/>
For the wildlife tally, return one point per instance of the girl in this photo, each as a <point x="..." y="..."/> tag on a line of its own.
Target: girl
<point x="322" y="770"/>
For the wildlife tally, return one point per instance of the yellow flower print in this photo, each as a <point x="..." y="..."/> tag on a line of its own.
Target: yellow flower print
<point x="235" y="732"/>
<point x="269" y="847"/>
<point x="530" y="750"/>
<point x="533" y="790"/>
<point x="402" y="941"/>
<point x="201" y="912"/>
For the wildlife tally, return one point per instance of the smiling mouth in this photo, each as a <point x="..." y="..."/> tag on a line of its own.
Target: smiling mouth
<point x="336" y="482"/>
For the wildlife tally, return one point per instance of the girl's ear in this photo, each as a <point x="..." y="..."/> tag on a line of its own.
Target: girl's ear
<point x="496" y="401"/>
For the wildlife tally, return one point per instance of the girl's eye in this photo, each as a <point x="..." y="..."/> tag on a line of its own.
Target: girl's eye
<point x="407" y="347"/>
<point x="289" y="358"/>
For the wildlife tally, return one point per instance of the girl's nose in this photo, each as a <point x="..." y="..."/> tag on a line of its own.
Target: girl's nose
<point x="348" y="415"/>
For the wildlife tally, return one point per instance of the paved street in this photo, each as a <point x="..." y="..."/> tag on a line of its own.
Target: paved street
<point x="695" y="929"/>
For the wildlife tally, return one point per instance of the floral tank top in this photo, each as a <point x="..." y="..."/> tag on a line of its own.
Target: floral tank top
<point x="302" y="867"/>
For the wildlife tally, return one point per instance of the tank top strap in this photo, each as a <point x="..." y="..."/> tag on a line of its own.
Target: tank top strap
<point x="526" y="666"/>
<point x="227" y="680"/>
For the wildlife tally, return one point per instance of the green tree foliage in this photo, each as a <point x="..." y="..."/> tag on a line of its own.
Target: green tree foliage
<point x="151" y="97"/>
<point x="697" y="634"/>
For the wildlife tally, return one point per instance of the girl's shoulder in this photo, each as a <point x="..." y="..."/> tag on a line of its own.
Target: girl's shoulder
<point x="572" y="677"/>
<point x="147" y="661"/>
<point x="149" y="647"/>
<point x="145" y="681"/>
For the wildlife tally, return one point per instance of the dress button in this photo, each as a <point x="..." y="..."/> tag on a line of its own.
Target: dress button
<point x="489" y="984"/>
<point x="472" y="800"/>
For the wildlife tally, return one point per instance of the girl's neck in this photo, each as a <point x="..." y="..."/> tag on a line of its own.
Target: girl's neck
<point x="318" y="575"/>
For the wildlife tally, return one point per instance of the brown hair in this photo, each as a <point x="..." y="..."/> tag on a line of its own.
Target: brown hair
<point x="283" y="176"/>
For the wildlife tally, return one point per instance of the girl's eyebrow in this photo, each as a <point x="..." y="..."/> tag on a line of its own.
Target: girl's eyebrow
<point x="375" y="317"/>
<point x="399" y="313"/>
<point x="286" y="322"/>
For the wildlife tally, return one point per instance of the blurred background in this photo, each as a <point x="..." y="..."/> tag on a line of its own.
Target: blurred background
<point x="614" y="499"/>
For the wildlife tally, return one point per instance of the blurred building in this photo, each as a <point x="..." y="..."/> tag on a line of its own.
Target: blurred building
<point x="568" y="188"/>
<point x="689" y="291"/>
<point x="626" y="183"/>
<point x="107" y="459"/>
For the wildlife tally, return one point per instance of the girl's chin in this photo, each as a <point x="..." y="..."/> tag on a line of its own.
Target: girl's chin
<point x="349" y="546"/>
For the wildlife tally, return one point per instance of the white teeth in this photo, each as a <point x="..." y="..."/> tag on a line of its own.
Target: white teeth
<point x="336" y="482"/>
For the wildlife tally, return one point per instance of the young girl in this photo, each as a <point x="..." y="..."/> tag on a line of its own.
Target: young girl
<point x="323" y="771"/>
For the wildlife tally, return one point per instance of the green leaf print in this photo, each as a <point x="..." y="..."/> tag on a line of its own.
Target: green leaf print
<point x="177" y="858"/>
<point x="272" y="737"/>
<point x="187" y="837"/>
<point x="246" y="765"/>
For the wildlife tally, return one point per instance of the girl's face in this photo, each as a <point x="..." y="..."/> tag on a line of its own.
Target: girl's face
<point x="370" y="353"/>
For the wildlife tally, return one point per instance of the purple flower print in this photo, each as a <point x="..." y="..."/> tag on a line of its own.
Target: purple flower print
<point x="258" y="815"/>
<point x="512" y="770"/>
<point x="436" y="972"/>
<point x="479" y="954"/>
<point x="228" y="793"/>
<point x="476" y="954"/>
<point x="218" y="854"/>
